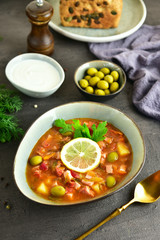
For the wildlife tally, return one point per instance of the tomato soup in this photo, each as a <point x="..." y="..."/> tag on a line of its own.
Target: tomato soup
<point x="48" y="177"/>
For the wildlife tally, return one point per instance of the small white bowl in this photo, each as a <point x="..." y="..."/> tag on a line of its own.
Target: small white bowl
<point x="71" y="111"/>
<point x="34" y="74"/>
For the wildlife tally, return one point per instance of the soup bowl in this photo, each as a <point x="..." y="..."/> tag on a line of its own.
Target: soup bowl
<point x="78" y="110"/>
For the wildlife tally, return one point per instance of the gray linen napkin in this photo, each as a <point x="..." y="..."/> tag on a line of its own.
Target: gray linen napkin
<point x="139" y="56"/>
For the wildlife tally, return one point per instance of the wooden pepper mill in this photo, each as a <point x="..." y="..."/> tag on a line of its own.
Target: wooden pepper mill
<point x="40" y="39"/>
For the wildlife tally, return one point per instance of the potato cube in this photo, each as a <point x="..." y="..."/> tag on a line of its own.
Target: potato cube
<point x="96" y="188"/>
<point x="122" y="149"/>
<point x="42" y="188"/>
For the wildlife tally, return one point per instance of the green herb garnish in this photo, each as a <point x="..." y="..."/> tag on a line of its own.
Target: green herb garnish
<point x="63" y="125"/>
<point x="82" y="130"/>
<point x="9" y="102"/>
<point x="9" y="127"/>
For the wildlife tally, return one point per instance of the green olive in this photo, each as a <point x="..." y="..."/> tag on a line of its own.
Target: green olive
<point x="109" y="78"/>
<point x="103" y="84"/>
<point x="93" y="81"/>
<point x="83" y="83"/>
<point x="58" y="191"/>
<point x="115" y="75"/>
<point x="92" y="71"/>
<point x="35" y="160"/>
<point x="107" y="92"/>
<point x="112" y="157"/>
<point x="99" y="74"/>
<point x="99" y="92"/>
<point x="89" y="89"/>
<point x="105" y="70"/>
<point x="114" y="86"/>
<point x="110" y="181"/>
<point x="87" y="77"/>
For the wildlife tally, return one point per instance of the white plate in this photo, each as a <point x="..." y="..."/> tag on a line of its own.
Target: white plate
<point x="133" y="16"/>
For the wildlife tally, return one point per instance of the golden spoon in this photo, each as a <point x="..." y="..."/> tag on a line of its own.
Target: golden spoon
<point x="146" y="191"/>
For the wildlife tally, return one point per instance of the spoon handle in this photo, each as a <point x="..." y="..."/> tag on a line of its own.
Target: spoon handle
<point x="112" y="215"/>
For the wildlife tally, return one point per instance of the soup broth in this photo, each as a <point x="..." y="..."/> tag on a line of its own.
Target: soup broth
<point x="50" y="173"/>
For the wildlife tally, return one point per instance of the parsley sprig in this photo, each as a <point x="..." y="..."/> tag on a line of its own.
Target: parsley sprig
<point x="82" y="130"/>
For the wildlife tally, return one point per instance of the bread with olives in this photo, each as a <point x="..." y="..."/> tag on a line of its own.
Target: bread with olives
<point x="91" y="13"/>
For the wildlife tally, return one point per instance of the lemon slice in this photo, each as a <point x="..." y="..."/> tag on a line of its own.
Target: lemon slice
<point x="81" y="154"/>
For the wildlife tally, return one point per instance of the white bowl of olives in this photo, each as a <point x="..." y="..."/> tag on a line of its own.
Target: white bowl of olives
<point x="100" y="79"/>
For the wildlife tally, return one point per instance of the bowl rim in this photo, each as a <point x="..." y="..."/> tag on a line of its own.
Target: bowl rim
<point x="99" y="197"/>
<point x="35" y="56"/>
<point x="101" y="96"/>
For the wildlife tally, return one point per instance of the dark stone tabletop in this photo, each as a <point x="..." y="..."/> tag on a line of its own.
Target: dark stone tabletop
<point x="27" y="220"/>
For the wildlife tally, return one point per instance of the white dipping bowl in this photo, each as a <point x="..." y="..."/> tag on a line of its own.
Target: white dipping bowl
<point x="71" y="111"/>
<point x="34" y="84"/>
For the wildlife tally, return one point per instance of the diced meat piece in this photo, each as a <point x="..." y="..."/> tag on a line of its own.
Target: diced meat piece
<point x="69" y="189"/>
<point x="43" y="166"/>
<point x="108" y="140"/>
<point x="116" y="132"/>
<point x="71" y="184"/>
<point x="66" y="139"/>
<point x="124" y="159"/>
<point x="59" y="171"/>
<point x="101" y="144"/>
<point x="69" y="195"/>
<point x="88" y="191"/>
<point x="75" y="174"/>
<point x="68" y="176"/>
<point x="58" y="155"/>
<point x="37" y="173"/>
<point x="113" y="146"/>
<point x="77" y="185"/>
<point x="35" y="168"/>
<point x="87" y="182"/>
<point x="47" y="142"/>
<point x="41" y="151"/>
<point x="59" y="164"/>
<point x="102" y="160"/>
<point x="109" y="168"/>
<point x="122" y="169"/>
<point x="56" y="147"/>
<point x="104" y="155"/>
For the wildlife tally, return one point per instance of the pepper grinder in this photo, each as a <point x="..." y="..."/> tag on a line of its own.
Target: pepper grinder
<point x="40" y="39"/>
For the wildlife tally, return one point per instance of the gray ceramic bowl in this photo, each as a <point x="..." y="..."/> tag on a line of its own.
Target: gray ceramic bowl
<point x="81" y="70"/>
<point x="78" y="110"/>
<point x="36" y="92"/>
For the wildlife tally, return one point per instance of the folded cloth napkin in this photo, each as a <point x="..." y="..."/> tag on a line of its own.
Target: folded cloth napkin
<point x="139" y="56"/>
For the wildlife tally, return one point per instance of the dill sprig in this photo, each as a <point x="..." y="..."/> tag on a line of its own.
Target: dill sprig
<point x="9" y="102"/>
<point x="9" y="128"/>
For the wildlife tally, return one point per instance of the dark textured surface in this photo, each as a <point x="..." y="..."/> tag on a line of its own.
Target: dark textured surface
<point x="28" y="220"/>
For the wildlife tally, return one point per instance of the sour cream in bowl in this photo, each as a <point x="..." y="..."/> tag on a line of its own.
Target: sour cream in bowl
<point x="35" y="75"/>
